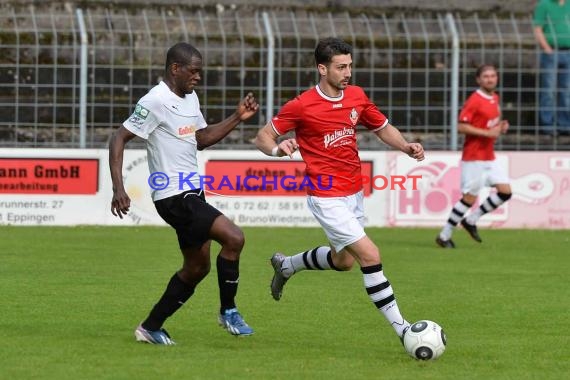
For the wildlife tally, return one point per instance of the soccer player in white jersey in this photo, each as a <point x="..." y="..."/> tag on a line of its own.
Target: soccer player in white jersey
<point x="324" y="119"/>
<point x="480" y="121"/>
<point x="168" y="117"/>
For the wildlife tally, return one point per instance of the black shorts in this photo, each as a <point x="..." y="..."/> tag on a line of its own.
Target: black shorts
<point x="190" y="215"/>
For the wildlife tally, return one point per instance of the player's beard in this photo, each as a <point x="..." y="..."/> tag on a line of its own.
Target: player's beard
<point x="489" y="89"/>
<point x="341" y="85"/>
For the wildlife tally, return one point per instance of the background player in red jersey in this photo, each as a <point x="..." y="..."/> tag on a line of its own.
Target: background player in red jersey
<point x="480" y="121"/>
<point x="324" y="119"/>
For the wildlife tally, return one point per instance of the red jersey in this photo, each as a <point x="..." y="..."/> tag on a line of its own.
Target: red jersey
<point x="481" y="111"/>
<point x="325" y="130"/>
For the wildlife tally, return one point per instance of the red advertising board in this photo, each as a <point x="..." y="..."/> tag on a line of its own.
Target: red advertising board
<point x="49" y="176"/>
<point x="263" y="178"/>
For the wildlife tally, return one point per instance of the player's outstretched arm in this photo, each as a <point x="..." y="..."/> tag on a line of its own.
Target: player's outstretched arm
<point x="266" y="141"/>
<point x="392" y="136"/>
<point x="213" y="133"/>
<point x="121" y="201"/>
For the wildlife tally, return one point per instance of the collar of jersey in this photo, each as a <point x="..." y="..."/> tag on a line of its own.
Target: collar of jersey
<point x="482" y="93"/>
<point x="170" y="97"/>
<point x="330" y="99"/>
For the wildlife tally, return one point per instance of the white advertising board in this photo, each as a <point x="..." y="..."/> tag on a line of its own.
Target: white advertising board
<point x="73" y="187"/>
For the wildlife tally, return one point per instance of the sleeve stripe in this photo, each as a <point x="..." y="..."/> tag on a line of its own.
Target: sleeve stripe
<point x="275" y="129"/>
<point x="381" y="127"/>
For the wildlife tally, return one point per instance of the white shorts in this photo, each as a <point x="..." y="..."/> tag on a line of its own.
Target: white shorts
<point x="342" y="218"/>
<point x="478" y="174"/>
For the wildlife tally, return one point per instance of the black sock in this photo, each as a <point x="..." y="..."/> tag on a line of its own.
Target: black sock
<point x="177" y="292"/>
<point x="228" y="278"/>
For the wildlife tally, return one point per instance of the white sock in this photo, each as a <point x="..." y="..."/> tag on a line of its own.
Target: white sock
<point x="446" y="232"/>
<point x="455" y="216"/>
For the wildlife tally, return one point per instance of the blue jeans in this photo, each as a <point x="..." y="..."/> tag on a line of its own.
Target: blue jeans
<point x="554" y="107"/>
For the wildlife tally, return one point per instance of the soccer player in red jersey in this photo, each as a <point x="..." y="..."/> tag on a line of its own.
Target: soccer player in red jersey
<point x="480" y="121"/>
<point x="324" y="119"/>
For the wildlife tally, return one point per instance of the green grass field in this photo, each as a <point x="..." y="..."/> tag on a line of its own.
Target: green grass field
<point x="71" y="298"/>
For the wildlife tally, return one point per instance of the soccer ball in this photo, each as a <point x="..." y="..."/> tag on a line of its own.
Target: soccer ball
<point x="425" y="340"/>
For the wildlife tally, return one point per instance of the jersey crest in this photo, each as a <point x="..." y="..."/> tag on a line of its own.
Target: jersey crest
<point x="353" y="116"/>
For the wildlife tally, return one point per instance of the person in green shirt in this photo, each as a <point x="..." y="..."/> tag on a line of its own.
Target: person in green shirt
<point x="552" y="31"/>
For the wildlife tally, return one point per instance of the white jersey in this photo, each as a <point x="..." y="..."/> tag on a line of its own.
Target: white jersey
<point x="169" y="124"/>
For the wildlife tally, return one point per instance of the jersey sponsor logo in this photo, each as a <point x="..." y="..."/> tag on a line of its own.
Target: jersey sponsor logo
<point x="493" y="122"/>
<point x="136" y="120"/>
<point x="139" y="116"/>
<point x="353" y="116"/>
<point x="334" y="139"/>
<point x="141" y="111"/>
<point x="186" y="130"/>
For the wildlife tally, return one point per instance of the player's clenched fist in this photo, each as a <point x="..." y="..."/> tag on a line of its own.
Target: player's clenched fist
<point x="247" y="107"/>
<point x="416" y="151"/>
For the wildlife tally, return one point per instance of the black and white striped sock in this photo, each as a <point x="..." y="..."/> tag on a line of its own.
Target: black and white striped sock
<point x="491" y="203"/>
<point x="380" y="292"/>
<point x="319" y="258"/>
<point x="455" y="217"/>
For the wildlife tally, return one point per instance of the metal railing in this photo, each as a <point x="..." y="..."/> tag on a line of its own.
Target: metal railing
<point x="403" y="61"/>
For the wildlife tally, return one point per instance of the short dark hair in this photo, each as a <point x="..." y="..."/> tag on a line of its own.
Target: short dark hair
<point x="484" y="67"/>
<point x="181" y="52"/>
<point x="327" y="48"/>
